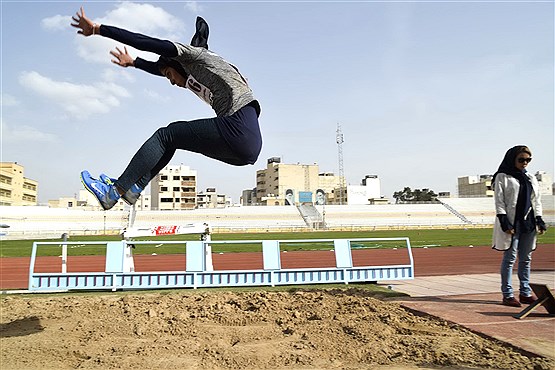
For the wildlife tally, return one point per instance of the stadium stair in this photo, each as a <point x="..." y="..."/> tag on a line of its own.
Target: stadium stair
<point x="311" y="216"/>
<point x="455" y="212"/>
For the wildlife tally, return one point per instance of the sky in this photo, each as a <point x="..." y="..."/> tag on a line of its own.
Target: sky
<point x="424" y="92"/>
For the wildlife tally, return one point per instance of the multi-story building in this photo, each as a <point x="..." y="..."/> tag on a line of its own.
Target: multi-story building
<point x="70" y="202"/>
<point x="174" y="188"/>
<point x="481" y="186"/>
<point x="16" y="189"/>
<point x="85" y="200"/>
<point x="290" y="184"/>
<point x="211" y="199"/>
<point x="546" y="182"/>
<point x="248" y="197"/>
<point x="475" y="186"/>
<point x="368" y="192"/>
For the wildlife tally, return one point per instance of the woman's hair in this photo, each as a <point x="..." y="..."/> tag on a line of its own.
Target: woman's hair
<point x="523" y="149"/>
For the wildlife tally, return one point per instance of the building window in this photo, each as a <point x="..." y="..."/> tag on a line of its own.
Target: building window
<point x="163" y="188"/>
<point x="29" y="186"/>
<point x="176" y="177"/>
<point x="5" y="180"/>
<point x="163" y="177"/>
<point x="176" y="188"/>
<point x="166" y="200"/>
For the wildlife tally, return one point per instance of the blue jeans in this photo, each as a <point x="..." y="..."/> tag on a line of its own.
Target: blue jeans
<point x="202" y="136"/>
<point x="522" y="245"/>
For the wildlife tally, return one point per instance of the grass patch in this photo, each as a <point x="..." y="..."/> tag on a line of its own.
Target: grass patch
<point x="418" y="238"/>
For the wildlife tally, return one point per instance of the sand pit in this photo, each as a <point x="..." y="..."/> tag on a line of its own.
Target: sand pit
<point x="316" y="329"/>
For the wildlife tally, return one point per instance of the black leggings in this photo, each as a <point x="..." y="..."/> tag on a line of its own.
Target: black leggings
<point x="200" y="136"/>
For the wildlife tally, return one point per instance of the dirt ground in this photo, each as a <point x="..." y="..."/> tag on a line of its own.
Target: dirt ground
<point x="316" y="329"/>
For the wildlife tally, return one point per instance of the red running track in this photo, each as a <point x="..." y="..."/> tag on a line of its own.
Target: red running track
<point x="14" y="271"/>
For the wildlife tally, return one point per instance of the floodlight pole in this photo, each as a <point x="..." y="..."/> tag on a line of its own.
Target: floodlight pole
<point x="339" y="141"/>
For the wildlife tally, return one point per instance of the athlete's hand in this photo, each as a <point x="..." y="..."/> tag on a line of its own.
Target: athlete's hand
<point x="85" y="25"/>
<point x="122" y="57"/>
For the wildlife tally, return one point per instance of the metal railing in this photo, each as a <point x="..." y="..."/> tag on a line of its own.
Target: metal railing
<point x="120" y="272"/>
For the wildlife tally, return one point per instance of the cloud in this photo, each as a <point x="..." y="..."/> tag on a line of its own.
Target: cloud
<point x="22" y="133"/>
<point x="79" y="100"/>
<point x="142" y="18"/>
<point x="56" y="22"/>
<point x="8" y="100"/>
<point x="155" y="95"/>
<point x="114" y="74"/>
<point x="194" y="7"/>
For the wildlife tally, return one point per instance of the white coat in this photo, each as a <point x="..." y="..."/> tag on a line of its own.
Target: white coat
<point x="506" y="189"/>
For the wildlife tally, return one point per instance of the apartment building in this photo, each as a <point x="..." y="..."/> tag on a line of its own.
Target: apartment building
<point x="291" y="184"/>
<point x="174" y="188"/>
<point x="85" y="200"/>
<point x="368" y="192"/>
<point x="475" y="186"/>
<point x="248" y="197"/>
<point x="15" y="188"/>
<point x="481" y="186"/>
<point x="546" y="183"/>
<point x="211" y="199"/>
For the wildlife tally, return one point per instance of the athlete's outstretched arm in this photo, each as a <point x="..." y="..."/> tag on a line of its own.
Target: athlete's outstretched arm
<point x="85" y="25"/>
<point x="146" y="43"/>
<point x="122" y="58"/>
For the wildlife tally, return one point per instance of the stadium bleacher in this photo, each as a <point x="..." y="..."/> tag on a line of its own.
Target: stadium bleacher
<point x="45" y="222"/>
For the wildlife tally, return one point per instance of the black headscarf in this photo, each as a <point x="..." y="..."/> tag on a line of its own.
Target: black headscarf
<point x="524" y="201"/>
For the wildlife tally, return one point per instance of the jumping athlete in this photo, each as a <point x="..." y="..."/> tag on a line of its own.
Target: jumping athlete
<point x="232" y="137"/>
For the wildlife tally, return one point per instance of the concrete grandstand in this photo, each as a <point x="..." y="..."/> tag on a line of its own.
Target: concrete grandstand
<point x="43" y="222"/>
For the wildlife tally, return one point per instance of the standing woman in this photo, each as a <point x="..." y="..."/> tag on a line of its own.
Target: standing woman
<point x="519" y="219"/>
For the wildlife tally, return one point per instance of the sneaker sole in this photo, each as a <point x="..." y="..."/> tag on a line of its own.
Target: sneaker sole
<point x="91" y="191"/>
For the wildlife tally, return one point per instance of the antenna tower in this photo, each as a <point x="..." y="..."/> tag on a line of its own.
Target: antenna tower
<point x="339" y="141"/>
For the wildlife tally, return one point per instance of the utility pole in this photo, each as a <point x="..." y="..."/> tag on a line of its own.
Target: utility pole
<point x="339" y="141"/>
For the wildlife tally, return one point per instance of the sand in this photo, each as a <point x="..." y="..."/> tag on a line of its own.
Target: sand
<point x="314" y="329"/>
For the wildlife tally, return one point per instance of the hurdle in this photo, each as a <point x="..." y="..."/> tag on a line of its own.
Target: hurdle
<point x="119" y="274"/>
<point x="128" y="234"/>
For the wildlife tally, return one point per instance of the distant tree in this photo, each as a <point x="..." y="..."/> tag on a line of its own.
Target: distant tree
<point x="416" y="195"/>
<point x="425" y="195"/>
<point x="404" y="195"/>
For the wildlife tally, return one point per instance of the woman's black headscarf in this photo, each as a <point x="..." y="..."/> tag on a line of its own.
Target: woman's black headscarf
<point x="524" y="201"/>
<point x="507" y="166"/>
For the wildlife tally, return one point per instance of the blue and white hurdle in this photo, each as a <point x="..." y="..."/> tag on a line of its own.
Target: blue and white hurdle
<point x="120" y="274"/>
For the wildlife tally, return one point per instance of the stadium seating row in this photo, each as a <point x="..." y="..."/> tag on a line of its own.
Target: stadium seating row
<point x="42" y="222"/>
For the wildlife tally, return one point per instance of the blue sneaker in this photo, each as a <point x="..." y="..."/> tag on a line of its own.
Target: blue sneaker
<point x="131" y="196"/>
<point x="107" y="195"/>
